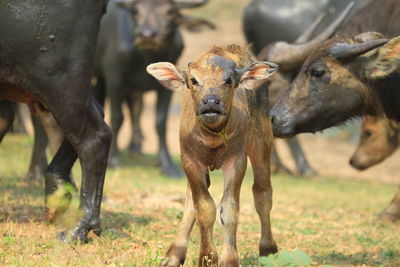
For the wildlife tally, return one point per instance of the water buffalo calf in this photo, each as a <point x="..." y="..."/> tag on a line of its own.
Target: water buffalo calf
<point x="379" y="139"/>
<point x="224" y="119"/>
<point x="46" y="60"/>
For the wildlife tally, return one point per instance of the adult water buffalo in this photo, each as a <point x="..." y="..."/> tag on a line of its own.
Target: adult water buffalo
<point x="46" y="59"/>
<point x="324" y="93"/>
<point x="133" y="34"/>
<point x="288" y="20"/>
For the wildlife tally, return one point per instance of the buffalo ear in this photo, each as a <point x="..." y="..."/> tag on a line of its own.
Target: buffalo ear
<point x="256" y="74"/>
<point x="383" y="61"/>
<point x="168" y="75"/>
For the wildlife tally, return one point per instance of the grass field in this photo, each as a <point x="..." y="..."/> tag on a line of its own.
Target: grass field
<point x="330" y="219"/>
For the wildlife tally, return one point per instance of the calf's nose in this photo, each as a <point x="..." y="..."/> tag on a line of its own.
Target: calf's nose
<point x="211" y="99"/>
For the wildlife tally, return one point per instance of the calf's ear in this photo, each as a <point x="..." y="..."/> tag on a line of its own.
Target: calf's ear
<point x="256" y="74"/>
<point x="168" y="75"/>
<point x="384" y="60"/>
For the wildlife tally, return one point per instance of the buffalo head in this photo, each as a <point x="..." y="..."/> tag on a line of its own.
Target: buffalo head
<point x="155" y="21"/>
<point x="339" y="80"/>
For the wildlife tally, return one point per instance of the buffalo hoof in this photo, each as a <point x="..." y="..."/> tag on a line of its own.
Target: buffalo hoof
<point x="135" y="149"/>
<point x="34" y="176"/>
<point x="308" y="171"/>
<point x="280" y="169"/>
<point x="113" y="162"/>
<point x="79" y="234"/>
<point x="172" y="171"/>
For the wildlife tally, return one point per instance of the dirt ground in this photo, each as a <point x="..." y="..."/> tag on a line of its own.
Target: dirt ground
<point x="328" y="156"/>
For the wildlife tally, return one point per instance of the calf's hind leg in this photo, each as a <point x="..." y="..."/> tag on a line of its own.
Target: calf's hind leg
<point x="260" y="155"/>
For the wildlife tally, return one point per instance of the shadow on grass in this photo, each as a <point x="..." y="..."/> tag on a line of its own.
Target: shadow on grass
<point x="128" y="159"/>
<point x="22" y="213"/>
<point x="119" y="224"/>
<point x="17" y="205"/>
<point x="385" y="257"/>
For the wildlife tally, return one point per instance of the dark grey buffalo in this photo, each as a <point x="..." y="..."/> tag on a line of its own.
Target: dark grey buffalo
<point x="46" y="59"/>
<point x="133" y="34"/>
<point x="320" y="98"/>
<point x="288" y="21"/>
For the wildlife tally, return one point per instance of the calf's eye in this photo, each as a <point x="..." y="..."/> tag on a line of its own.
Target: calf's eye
<point x="367" y="133"/>
<point x="194" y="81"/>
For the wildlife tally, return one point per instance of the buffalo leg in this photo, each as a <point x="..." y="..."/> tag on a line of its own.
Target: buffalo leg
<point x="262" y="192"/>
<point x="114" y="92"/>
<point x="392" y="211"/>
<point x="7" y="114"/>
<point x="90" y="141"/>
<point x="176" y="254"/>
<point x="276" y="163"/>
<point x="299" y="157"/>
<point x="163" y="102"/>
<point x="135" y="103"/>
<point x="38" y="164"/>
<point x="229" y="208"/>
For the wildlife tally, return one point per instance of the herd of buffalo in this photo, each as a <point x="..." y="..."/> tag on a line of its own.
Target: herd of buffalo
<point x="311" y="65"/>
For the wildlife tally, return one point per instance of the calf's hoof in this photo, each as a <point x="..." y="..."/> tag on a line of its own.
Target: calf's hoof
<point x="210" y="260"/>
<point x="267" y="250"/>
<point x="175" y="257"/>
<point x="171" y="262"/>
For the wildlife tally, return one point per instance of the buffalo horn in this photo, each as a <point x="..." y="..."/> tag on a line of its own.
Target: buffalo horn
<point x="344" y="51"/>
<point x="290" y="56"/>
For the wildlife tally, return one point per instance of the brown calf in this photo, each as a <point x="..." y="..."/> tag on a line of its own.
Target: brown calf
<point x="379" y="139"/>
<point x="223" y="120"/>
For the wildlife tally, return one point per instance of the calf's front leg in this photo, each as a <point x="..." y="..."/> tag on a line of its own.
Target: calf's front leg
<point x="205" y="209"/>
<point x="234" y="172"/>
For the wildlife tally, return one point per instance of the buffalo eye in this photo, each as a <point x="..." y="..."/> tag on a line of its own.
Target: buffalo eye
<point x="194" y="81"/>
<point x="228" y="81"/>
<point x="170" y="12"/>
<point x="317" y="73"/>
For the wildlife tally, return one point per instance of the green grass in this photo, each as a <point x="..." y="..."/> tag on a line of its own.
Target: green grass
<point x="332" y="220"/>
